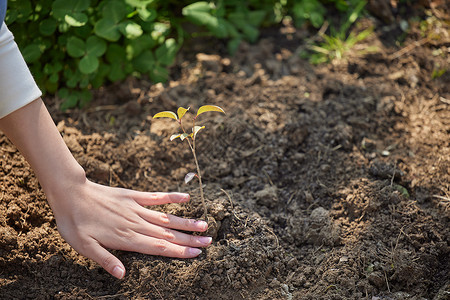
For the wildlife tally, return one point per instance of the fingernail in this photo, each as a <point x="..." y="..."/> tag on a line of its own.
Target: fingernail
<point x="118" y="272"/>
<point x="206" y="240"/>
<point x="194" y="251"/>
<point x="202" y="225"/>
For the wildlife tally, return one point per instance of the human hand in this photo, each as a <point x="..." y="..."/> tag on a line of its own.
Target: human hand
<point x="93" y="218"/>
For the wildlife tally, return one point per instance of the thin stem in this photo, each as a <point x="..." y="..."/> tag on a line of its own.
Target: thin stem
<point x="205" y="210"/>
<point x="199" y="174"/>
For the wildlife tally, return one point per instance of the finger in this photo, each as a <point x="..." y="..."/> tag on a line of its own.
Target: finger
<point x="173" y="222"/>
<point x="154" y="246"/>
<point x="145" y="198"/>
<point x="174" y="236"/>
<point x="105" y="259"/>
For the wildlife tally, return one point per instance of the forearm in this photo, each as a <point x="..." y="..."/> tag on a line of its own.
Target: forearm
<point x="34" y="133"/>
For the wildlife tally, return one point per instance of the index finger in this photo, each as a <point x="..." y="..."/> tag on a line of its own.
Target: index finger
<point x="157" y="198"/>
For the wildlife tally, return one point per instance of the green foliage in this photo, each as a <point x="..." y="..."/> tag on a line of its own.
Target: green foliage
<point x="339" y="43"/>
<point x="73" y="46"/>
<point x="438" y="72"/>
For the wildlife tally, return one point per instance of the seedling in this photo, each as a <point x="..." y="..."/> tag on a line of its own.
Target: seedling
<point x="191" y="139"/>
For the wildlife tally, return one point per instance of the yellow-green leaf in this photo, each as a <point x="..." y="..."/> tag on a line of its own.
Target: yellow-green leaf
<point x="197" y="129"/>
<point x="206" y="108"/>
<point x="181" y="111"/>
<point x="174" y="136"/>
<point x="183" y="136"/>
<point x="166" y="114"/>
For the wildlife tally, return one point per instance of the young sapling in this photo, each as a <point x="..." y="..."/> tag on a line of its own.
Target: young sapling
<point x="191" y="139"/>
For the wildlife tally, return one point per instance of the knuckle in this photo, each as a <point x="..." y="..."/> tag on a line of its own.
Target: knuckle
<point x="164" y="218"/>
<point x="187" y="223"/>
<point x="125" y="234"/>
<point x="192" y="240"/>
<point x="162" y="247"/>
<point x="168" y="234"/>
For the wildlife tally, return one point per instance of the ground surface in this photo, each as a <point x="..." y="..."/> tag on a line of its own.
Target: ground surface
<point x="324" y="182"/>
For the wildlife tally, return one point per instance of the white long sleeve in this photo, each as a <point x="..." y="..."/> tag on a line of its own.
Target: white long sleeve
<point x="17" y="85"/>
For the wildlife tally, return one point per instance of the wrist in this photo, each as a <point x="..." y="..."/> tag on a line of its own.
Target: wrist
<point x="57" y="185"/>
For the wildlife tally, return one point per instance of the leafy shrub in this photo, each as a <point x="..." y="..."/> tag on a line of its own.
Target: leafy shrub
<point x="73" y="46"/>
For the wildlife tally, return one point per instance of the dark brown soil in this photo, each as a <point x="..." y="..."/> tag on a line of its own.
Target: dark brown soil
<point x="323" y="182"/>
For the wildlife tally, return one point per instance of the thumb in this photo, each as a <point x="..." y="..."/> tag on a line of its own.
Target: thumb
<point x="108" y="261"/>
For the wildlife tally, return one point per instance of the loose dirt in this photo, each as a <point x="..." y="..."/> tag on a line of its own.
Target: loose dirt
<point x="323" y="182"/>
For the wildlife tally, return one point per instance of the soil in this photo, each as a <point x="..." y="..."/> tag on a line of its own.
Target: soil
<point x="322" y="182"/>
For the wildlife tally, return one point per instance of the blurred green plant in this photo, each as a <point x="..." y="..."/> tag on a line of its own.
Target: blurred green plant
<point x="438" y="72"/>
<point x="339" y="43"/>
<point x="74" y="46"/>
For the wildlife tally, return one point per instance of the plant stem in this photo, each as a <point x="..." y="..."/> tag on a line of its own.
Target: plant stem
<point x="199" y="174"/>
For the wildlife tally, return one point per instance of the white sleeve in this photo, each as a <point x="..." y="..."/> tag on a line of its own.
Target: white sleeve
<point x="17" y="85"/>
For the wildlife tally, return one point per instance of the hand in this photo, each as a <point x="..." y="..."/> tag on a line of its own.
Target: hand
<point x="92" y="217"/>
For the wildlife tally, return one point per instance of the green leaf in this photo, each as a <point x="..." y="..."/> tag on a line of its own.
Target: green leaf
<point x="76" y="47"/>
<point x="54" y="78"/>
<point x="200" y="13"/>
<point x="116" y="72"/>
<point x="88" y="64"/>
<point x="71" y="11"/>
<point x="107" y="29"/>
<point x="115" y="10"/>
<point x="131" y="30"/>
<point x="85" y="97"/>
<point x="102" y="73"/>
<point x="21" y="13"/>
<point x="200" y="6"/>
<point x="95" y="46"/>
<point x="402" y="190"/>
<point x="139" y="3"/>
<point x="72" y="77"/>
<point x="84" y="83"/>
<point x="137" y="46"/>
<point x="240" y="21"/>
<point x="70" y="99"/>
<point x="166" y="114"/>
<point x="83" y="32"/>
<point x="316" y="19"/>
<point x="147" y="15"/>
<point x="181" y="112"/>
<point x="159" y="74"/>
<point x="32" y="53"/>
<point x="158" y="30"/>
<point x="256" y="17"/>
<point x="115" y="53"/>
<point x="165" y="54"/>
<point x="145" y="62"/>
<point x="76" y="19"/>
<point x="206" y="108"/>
<point x="47" y="27"/>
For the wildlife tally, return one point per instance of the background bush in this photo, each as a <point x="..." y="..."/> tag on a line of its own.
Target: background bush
<point x="73" y="46"/>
